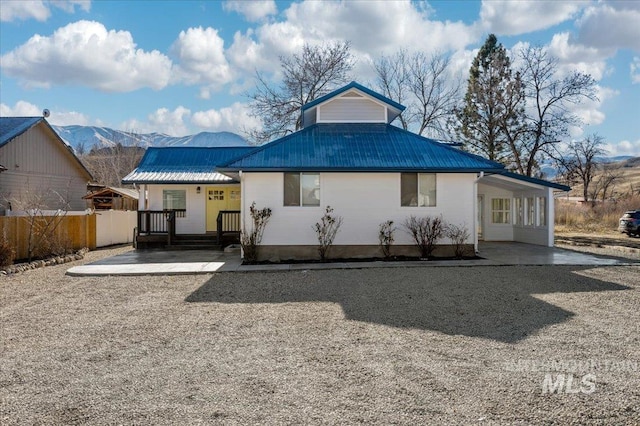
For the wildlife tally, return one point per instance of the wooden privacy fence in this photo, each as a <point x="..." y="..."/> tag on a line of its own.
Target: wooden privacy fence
<point x="78" y="231"/>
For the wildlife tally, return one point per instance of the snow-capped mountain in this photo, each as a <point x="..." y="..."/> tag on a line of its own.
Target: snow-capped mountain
<point x="83" y="138"/>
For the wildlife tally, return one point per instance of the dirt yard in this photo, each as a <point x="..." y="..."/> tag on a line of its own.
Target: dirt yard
<point x="475" y="345"/>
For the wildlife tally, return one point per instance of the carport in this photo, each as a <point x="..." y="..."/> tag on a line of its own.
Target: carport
<point x="511" y="207"/>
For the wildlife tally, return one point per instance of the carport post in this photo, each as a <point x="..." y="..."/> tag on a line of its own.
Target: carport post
<point x="551" y="220"/>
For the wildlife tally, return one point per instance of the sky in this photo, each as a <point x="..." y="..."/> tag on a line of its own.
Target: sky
<point x="182" y="67"/>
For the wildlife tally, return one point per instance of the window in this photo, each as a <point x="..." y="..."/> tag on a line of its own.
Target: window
<point x="542" y="211"/>
<point x="519" y="211"/>
<point x="216" y="194"/>
<point x="531" y="211"/>
<point x="173" y="199"/>
<point x="301" y="189"/>
<point x="501" y="210"/>
<point x="417" y="189"/>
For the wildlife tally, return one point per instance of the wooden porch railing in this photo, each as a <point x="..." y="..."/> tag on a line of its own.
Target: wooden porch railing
<point x="157" y="221"/>
<point x="228" y="222"/>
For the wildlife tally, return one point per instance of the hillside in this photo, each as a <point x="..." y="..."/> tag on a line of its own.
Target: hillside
<point x="84" y="138"/>
<point x="628" y="181"/>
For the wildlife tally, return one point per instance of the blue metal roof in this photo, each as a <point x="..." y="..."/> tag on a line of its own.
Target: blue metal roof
<point x="535" y="180"/>
<point x="358" y="147"/>
<point x="183" y="165"/>
<point x="354" y="85"/>
<point x="12" y="127"/>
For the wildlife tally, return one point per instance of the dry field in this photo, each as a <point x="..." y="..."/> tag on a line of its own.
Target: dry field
<point x="384" y="346"/>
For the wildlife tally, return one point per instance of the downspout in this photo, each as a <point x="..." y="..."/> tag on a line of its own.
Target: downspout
<point x="243" y="210"/>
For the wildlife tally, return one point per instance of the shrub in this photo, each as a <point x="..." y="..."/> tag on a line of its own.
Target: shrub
<point x="458" y="236"/>
<point x="250" y="240"/>
<point x="425" y="231"/>
<point x="7" y="254"/>
<point x="326" y="231"/>
<point x="385" y="235"/>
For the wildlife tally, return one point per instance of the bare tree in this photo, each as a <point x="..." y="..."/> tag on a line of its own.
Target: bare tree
<point x="306" y="76"/>
<point x="421" y="83"/>
<point x="605" y="183"/>
<point x="43" y="210"/>
<point x="110" y="164"/>
<point x="580" y="161"/>
<point x="548" y="113"/>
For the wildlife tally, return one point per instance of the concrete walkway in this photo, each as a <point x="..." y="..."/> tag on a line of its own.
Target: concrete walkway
<point x="161" y="262"/>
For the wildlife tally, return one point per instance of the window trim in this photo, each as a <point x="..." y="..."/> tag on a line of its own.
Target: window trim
<point x="300" y="188"/>
<point x="507" y="212"/>
<point x="417" y="175"/>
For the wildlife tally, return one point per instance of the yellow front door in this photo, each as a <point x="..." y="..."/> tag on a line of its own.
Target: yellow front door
<point x="220" y="198"/>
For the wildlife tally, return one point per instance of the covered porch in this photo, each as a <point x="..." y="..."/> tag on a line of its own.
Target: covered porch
<point x="511" y="207"/>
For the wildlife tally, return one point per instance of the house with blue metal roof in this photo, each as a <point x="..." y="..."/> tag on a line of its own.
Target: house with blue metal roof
<point x="38" y="164"/>
<point x="349" y="156"/>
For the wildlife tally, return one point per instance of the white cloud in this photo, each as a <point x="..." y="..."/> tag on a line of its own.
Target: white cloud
<point x="235" y="119"/>
<point x="507" y="17"/>
<point x="610" y="26"/>
<point x="577" y="57"/>
<point x="85" y="53"/>
<point x="200" y="52"/>
<point x="23" y="10"/>
<point x="253" y="11"/>
<point x="367" y="25"/>
<point x="161" y="120"/>
<point x="624" y="147"/>
<point x="20" y="109"/>
<point x="59" y="118"/>
<point x="11" y="10"/>
<point x="635" y="70"/>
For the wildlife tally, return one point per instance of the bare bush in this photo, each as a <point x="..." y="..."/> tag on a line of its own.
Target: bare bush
<point x="326" y="231"/>
<point x="458" y="234"/>
<point x="251" y="239"/>
<point x="7" y="253"/>
<point x="425" y="231"/>
<point x="385" y="236"/>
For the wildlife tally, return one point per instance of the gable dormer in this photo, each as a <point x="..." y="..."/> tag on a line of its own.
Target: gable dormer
<point x="352" y="103"/>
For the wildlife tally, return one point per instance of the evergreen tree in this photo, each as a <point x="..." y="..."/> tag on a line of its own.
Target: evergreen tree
<point x="491" y="117"/>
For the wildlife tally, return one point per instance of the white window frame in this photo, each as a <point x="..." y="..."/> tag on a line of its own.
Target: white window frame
<point x="506" y="212"/>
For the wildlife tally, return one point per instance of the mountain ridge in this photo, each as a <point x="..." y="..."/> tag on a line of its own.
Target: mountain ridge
<point x="83" y="138"/>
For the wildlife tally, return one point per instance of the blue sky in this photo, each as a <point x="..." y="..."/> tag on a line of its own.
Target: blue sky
<point x="183" y="67"/>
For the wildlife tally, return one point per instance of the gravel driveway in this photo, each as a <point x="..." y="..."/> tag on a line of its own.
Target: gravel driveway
<point x="383" y="346"/>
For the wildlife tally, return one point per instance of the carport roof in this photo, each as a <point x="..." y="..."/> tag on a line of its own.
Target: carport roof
<point x="498" y="178"/>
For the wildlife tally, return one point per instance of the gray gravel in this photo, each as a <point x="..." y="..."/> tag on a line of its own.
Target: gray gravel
<point x="384" y="346"/>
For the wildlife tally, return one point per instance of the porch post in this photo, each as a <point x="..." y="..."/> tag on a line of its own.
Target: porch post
<point x="551" y="220"/>
<point x="474" y="202"/>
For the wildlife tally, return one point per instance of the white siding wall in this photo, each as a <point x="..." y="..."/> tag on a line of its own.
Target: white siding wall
<point x="364" y="200"/>
<point x="495" y="231"/>
<point x="195" y="220"/>
<point x="351" y="110"/>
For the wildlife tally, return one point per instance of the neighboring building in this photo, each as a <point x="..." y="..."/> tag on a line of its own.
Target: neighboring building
<point x="110" y="198"/>
<point x="347" y="156"/>
<point x="39" y="167"/>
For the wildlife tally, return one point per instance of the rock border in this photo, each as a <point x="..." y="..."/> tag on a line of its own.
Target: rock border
<point x="51" y="261"/>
